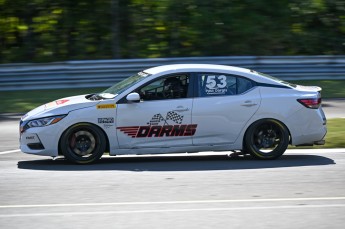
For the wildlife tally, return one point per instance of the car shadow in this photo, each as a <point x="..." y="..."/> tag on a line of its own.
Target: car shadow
<point x="178" y="163"/>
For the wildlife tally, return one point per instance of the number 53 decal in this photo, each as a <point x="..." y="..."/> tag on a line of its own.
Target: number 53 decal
<point x="211" y="82"/>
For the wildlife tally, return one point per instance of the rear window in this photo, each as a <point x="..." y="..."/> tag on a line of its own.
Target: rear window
<point x="274" y="78"/>
<point x="215" y="84"/>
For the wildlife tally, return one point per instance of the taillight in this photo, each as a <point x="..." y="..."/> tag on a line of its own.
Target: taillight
<point x="310" y="103"/>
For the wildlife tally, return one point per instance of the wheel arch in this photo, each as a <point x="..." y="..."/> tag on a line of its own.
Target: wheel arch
<point x="107" y="148"/>
<point x="259" y="120"/>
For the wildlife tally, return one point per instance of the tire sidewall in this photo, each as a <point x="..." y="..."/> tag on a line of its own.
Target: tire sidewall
<point x="277" y="152"/>
<point x="97" y="152"/>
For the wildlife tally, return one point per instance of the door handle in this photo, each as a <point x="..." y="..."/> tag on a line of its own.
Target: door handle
<point x="181" y="109"/>
<point x="249" y="103"/>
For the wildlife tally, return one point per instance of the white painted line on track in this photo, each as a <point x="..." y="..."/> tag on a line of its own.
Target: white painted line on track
<point x="10" y="151"/>
<point x="174" y="202"/>
<point x="69" y="213"/>
<point x="330" y="150"/>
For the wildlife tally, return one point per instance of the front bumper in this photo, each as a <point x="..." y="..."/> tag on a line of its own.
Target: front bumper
<point x="41" y="140"/>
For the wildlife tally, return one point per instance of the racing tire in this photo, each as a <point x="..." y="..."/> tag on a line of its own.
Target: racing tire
<point x="83" y="143"/>
<point x="266" y="139"/>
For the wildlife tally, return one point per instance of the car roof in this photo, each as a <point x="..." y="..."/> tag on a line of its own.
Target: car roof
<point x="212" y="68"/>
<point x="194" y="68"/>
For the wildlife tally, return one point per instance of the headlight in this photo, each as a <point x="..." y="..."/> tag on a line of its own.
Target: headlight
<point x="42" y="122"/>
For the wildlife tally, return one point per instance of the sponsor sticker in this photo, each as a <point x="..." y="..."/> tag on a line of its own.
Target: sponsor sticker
<point x="32" y="138"/>
<point x="55" y="103"/>
<point x="106" y="106"/>
<point x="62" y="101"/>
<point x="105" y="120"/>
<point x="107" y="126"/>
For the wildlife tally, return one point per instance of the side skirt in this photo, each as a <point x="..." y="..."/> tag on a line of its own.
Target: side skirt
<point x="184" y="149"/>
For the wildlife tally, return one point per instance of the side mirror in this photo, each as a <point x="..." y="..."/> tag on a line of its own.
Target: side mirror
<point x="133" y="97"/>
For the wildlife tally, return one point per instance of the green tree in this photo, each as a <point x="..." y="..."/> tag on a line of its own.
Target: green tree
<point x="44" y="30"/>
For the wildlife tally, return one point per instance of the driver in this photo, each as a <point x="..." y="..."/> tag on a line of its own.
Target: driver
<point x="172" y="88"/>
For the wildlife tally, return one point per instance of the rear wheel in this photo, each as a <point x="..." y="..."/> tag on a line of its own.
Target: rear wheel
<point x="83" y="143"/>
<point x="266" y="139"/>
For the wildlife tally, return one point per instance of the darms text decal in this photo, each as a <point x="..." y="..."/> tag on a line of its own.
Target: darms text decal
<point x="159" y="126"/>
<point x="159" y="131"/>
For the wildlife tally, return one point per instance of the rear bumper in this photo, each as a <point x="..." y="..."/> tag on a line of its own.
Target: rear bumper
<point x="308" y="127"/>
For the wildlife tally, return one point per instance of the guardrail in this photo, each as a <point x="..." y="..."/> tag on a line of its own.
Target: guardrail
<point x="104" y="73"/>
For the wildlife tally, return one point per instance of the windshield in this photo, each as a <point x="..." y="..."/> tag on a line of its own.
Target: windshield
<point x="123" y="85"/>
<point x="275" y="79"/>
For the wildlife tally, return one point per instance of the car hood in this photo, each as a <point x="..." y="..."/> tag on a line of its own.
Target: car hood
<point x="59" y="107"/>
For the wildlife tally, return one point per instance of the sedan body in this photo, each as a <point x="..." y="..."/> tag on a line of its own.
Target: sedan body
<point x="179" y="108"/>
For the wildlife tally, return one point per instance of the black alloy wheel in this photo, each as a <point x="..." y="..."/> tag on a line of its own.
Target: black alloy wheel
<point x="266" y="139"/>
<point x="83" y="143"/>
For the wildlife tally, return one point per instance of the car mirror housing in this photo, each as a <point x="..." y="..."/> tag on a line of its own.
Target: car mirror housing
<point x="133" y="97"/>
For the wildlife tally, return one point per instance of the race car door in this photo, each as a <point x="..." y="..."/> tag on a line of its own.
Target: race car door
<point x="161" y="119"/>
<point x="224" y="105"/>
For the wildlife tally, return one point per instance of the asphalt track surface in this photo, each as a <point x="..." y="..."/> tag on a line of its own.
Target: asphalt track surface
<point x="303" y="189"/>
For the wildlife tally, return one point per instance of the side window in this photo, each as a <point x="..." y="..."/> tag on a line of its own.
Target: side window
<point x="170" y="87"/>
<point x="244" y="85"/>
<point x="215" y="84"/>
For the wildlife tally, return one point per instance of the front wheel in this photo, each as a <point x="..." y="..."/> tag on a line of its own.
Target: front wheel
<point x="266" y="139"/>
<point x="83" y="143"/>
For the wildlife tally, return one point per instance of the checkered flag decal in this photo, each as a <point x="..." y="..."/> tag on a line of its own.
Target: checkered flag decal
<point x="155" y="120"/>
<point x="171" y="115"/>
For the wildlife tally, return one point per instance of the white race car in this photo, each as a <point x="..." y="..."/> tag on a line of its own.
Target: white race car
<point x="178" y="109"/>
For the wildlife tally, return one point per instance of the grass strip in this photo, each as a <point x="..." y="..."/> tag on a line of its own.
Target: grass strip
<point x="24" y="101"/>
